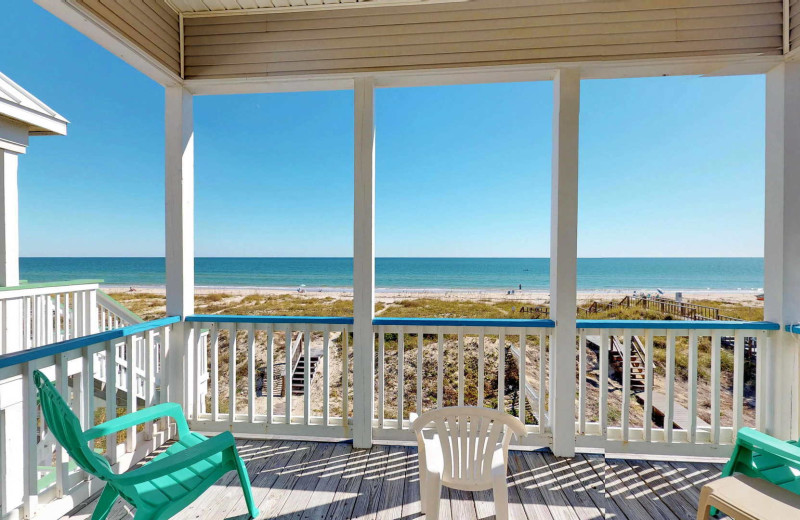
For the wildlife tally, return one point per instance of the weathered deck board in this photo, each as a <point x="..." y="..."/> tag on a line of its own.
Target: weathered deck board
<point x="306" y="480"/>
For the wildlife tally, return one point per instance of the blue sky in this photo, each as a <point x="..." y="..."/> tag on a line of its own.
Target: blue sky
<point x="668" y="166"/>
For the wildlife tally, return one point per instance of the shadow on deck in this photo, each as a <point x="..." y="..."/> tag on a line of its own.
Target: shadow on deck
<point x="307" y="480"/>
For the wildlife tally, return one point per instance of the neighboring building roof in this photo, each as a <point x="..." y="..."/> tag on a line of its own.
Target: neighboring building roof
<point x="17" y="104"/>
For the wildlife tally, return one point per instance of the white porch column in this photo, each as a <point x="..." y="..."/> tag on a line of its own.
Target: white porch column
<point x="13" y="140"/>
<point x="364" y="264"/>
<point x="782" y="248"/>
<point x="9" y="213"/>
<point x="179" y="156"/>
<point x="563" y="259"/>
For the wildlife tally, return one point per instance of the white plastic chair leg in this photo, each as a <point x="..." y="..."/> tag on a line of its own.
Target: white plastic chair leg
<point x="422" y="497"/>
<point x="431" y="494"/>
<point x="500" y="490"/>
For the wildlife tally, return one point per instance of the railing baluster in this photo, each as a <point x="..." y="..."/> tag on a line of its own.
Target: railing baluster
<point x="88" y="387"/>
<point x="270" y="371"/>
<point x="716" y="349"/>
<point x="215" y="372"/>
<point x="62" y="458"/>
<point x="288" y="376"/>
<point x="251" y="372"/>
<point x="345" y="376"/>
<point x="670" y="386"/>
<point x="501" y="371"/>
<point x="420" y="371"/>
<point x="461" y="367"/>
<point x="232" y="339"/>
<point x="326" y="376"/>
<point x="626" y="384"/>
<point x="149" y="378"/>
<point x="648" y="385"/>
<point x="26" y="322"/>
<point x="401" y="356"/>
<point x="381" y="376"/>
<point x="692" y="386"/>
<point x="542" y="381"/>
<point x="738" y="380"/>
<point x="762" y="347"/>
<point x="195" y="360"/>
<point x="111" y="397"/>
<point x="48" y="320"/>
<point x="581" y="381"/>
<point x="440" y="372"/>
<point x="75" y="316"/>
<point x="523" y="379"/>
<point x="59" y="331"/>
<point x="603" y="404"/>
<point x="130" y="372"/>
<point x="307" y="375"/>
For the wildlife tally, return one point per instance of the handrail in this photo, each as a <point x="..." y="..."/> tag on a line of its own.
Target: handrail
<point x="105" y="300"/>
<point x="24" y="356"/>
<point x="459" y="322"/>
<point x="222" y="318"/>
<point x="676" y="324"/>
<point x="44" y="285"/>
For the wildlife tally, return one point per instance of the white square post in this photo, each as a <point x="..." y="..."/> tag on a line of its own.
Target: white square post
<point x="364" y="263"/>
<point x="782" y="250"/>
<point x="13" y="140"/>
<point x="563" y="259"/>
<point x="179" y="157"/>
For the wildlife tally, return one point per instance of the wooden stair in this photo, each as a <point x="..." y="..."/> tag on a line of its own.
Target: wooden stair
<point x="637" y="366"/>
<point x="298" y="377"/>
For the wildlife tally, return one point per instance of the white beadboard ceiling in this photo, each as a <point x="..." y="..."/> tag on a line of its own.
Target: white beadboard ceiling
<point x="221" y="7"/>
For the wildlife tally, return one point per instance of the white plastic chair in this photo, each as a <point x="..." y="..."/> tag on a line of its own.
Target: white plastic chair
<point x="467" y="449"/>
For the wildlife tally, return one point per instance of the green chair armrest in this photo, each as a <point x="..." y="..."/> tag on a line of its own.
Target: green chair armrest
<point x="762" y="443"/>
<point x="183" y="459"/>
<point x="130" y="420"/>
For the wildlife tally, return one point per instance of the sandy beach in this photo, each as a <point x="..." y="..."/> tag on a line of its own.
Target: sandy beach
<point x="389" y="296"/>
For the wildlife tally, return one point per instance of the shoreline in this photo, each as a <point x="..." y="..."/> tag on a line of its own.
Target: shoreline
<point x="387" y="295"/>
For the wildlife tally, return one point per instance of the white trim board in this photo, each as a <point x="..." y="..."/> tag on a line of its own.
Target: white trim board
<point x="703" y="66"/>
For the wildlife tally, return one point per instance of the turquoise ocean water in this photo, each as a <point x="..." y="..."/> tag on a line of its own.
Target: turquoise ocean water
<point x="415" y="273"/>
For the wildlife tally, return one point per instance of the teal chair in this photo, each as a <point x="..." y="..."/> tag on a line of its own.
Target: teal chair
<point x="758" y="455"/>
<point x="162" y="487"/>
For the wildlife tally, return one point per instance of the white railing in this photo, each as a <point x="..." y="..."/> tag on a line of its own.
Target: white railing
<point x="701" y="377"/>
<point x="429" y="363"/>
<point x="698" y="385"/>
<point x="246" y="395"/>
<point x="46" y="483"/>
<point x="34" y="315"/>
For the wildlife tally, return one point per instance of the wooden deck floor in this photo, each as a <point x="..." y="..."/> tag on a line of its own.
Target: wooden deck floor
<point x="306" y="480"/>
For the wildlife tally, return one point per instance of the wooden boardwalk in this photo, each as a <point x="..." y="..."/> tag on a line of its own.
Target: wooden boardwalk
<point x="306" y="480"/>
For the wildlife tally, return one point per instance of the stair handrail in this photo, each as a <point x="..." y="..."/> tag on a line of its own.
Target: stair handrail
<point x="297" y="351"/>
<point x="128" y="317"/>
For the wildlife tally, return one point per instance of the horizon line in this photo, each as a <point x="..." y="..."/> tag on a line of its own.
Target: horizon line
<point x="418" y="257"/>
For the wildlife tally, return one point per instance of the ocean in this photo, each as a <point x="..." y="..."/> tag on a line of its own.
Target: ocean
<point x="414" y="273"/>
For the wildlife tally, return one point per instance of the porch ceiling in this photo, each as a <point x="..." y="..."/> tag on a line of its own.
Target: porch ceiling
<point x="199" y="40"/>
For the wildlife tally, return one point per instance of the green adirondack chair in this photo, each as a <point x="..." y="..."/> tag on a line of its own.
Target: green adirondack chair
<point x="162" y="487"/>
<point x="758" y="455"/>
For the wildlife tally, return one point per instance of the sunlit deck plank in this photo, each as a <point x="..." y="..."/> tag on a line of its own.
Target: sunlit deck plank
<point x="306" y="480"/>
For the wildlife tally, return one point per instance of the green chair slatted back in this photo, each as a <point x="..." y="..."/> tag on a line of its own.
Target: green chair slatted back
<point x="67" y="428"/>
<point x="162" y="487"/>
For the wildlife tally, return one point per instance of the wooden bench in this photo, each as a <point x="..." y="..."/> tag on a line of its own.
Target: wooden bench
<point x="746" y="498"/>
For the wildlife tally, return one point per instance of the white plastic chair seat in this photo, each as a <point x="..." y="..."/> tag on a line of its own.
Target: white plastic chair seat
<point x="467" y="450"/>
